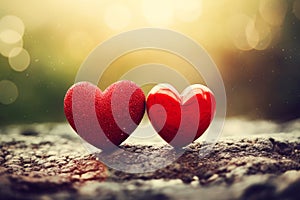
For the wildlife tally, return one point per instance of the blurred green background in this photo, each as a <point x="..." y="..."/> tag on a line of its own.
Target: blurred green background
<point x="255" y="44"/>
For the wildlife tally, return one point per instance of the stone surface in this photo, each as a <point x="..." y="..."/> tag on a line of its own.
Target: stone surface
<point x="48" y="161"/>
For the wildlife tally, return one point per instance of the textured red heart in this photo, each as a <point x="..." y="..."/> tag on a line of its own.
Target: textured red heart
<point x="104" y="119"/>
<point x="180" y="119"/>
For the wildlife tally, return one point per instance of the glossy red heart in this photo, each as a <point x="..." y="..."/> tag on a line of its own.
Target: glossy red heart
<point x="180" y="119"/>
<point x="104" y="119"/>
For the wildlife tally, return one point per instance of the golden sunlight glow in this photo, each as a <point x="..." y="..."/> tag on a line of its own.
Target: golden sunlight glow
<point x="117" y="16"/>
<point x="79" y="44"/>
<point x="158" y="12"/>
<point x="188" y="10"/>
<point x="250" y="24"/>
<point x="127" y="62"/>
<point x="273" y="11"/>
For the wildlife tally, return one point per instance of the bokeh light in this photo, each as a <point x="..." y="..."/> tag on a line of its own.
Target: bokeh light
<point x="242" y="32"/>
<point x="252" y="34"/>
<point x="6" y="48"/>
<point x="8" y="92"/>
<point x="117" y="16"/>
<point x="296" y="8"/>
<point x="273" y="11"/>
<point x="11" y="29"/>
<point x="11" y="33"/>
<point x="158" y="12"/>
<point x="19" y="59"/>
<point x="10" y="36"/>
<point x="264" y="34"/>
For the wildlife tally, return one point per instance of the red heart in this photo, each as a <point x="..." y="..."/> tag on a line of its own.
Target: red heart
<point x="180" y="119"/>
<point x="104" y="119"/>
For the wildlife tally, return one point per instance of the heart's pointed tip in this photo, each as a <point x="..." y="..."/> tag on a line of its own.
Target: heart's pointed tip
<point x="178" y="148"/>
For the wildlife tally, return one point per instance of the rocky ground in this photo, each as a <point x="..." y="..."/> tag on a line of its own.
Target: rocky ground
<point x="47" y="161"/>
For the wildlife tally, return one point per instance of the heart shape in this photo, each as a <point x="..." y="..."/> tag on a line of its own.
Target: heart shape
<point x="104" y="119"/>
<point x="180" y="119"/>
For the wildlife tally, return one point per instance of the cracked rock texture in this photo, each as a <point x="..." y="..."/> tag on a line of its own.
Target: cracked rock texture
<point x="48" y="161"/>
